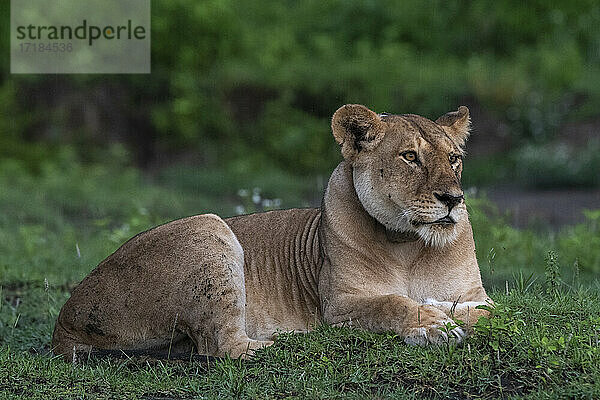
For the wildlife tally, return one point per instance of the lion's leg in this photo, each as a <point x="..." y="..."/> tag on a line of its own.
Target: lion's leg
<point x="418" y="324"/>
<point x="183" y="279"/>
<point x="215" y="298"/>
<point x="218" y="325"/>
<point x="466" y="311"/>
<point x="465" y="306"/>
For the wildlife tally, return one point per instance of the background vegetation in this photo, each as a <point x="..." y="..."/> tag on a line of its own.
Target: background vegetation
<point x="234" y="118"/>
<point x="246" y="86"/>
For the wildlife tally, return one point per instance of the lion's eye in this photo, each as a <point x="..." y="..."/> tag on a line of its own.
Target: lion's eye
<point x="454" y="158"/>
<point x="410" y="156"/>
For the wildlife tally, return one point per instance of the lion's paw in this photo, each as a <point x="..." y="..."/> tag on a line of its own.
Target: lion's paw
<point x="442" y="332"/>
<point x="247" y="348"/>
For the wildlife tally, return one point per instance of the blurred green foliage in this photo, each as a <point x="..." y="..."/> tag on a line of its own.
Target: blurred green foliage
<point x="538" y="166"/>
<point x="248" y="84"/>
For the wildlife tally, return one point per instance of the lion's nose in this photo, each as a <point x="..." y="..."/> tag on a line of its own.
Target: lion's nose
<point x="449" y="200"/>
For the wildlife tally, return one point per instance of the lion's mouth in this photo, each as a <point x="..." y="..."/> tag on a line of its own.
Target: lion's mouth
<point x="447" y="220"/>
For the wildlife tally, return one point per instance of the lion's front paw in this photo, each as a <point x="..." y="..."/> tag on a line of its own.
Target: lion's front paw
<point x="441" y="332"/>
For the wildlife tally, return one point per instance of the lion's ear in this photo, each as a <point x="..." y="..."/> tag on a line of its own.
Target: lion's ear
<point x="456" y="124"/>
<point x="355" y="128"/>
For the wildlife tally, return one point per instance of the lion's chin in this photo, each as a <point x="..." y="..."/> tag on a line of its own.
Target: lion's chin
<point x="438" y="235"/>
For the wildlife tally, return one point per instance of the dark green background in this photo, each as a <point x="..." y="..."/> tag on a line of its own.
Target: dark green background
<point x="251" y="85"/>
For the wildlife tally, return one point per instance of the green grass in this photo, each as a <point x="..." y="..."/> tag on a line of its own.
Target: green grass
<point x="60" y="221"/>
<point x="537" y="345"/>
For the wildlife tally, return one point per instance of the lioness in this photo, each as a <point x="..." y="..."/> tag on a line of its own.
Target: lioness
<point x="391" y="248"/>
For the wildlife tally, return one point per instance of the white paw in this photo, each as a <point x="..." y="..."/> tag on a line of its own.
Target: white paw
<point x="435" y="334"/>
<point x="436" y="303"/>
<point x="450" y="304"/>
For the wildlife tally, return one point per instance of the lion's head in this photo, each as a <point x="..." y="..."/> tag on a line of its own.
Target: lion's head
<point x="407" y="169"/>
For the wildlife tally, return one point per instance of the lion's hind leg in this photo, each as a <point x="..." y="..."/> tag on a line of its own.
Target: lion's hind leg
<point x="181" y="280"/>
<point x="214" y="315"/>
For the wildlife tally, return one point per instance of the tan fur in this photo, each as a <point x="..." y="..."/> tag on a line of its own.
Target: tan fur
<point x="373" y="256"/>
